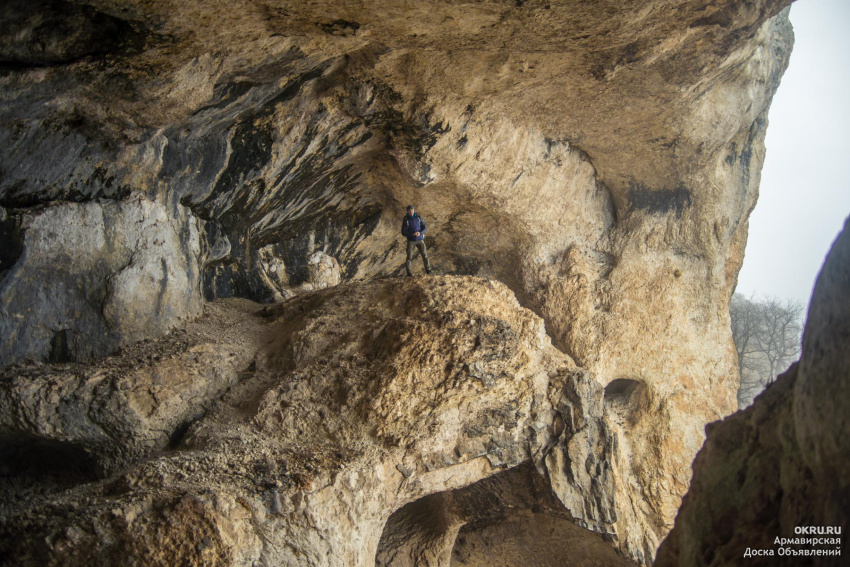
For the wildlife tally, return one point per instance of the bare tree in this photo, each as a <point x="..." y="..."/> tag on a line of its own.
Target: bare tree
<point x="746" y="323"/>
<point x="766" y="334"/>
<point x="780" y="336"/>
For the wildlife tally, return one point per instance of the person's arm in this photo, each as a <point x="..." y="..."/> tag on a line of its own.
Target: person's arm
<point x="405" y="224"/>
<point x="421" y="225"/>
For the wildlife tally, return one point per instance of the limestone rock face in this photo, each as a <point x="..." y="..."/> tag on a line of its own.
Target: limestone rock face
<point x="94" y="276"/>
<point x="600" y="159"/>
<point x="339" y="421"/>
<point x="781" y="464"/>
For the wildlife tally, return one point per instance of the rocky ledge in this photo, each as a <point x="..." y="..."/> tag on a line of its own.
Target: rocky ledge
<point x="300" y="434"/>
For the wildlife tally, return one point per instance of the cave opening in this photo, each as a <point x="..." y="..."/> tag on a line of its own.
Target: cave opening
<point x="511" y="519"/>
<point x="626" y="400"/>
<point x="30" y="466"/>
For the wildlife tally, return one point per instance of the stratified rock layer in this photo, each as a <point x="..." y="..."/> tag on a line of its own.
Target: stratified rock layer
<point x="781" y="465"/>
<point x="600" y="159"/>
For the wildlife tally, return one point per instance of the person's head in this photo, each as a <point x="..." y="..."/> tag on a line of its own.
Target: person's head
<point x="411" y="209"/>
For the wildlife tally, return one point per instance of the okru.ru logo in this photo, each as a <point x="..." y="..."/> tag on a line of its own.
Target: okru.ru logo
<point x="807" y="546"/>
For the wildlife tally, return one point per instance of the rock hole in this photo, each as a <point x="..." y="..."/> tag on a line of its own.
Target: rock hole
<point x="511" y="519"/>
<point x="626" y="400"/>
<point x="175" y="440"/>
<point x="31" y="465"/>
<point x="418" y="533"/>
<point x="59" y="349"/>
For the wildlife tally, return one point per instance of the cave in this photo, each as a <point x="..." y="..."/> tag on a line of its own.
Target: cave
<point x="509" y="519"/>
<point x="32" y="467"/>
<point x="210" y="353"/>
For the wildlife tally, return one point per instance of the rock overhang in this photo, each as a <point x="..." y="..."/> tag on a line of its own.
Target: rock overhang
<point x="641" y="88"/>
<point x="599" y="158"/>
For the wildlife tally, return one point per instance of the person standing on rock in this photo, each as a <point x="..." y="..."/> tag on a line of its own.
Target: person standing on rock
<point x="413" y="228"/>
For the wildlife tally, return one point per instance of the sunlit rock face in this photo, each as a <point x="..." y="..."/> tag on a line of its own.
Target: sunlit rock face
<point x="778" y="468"/>
<point x="600" y="159"/>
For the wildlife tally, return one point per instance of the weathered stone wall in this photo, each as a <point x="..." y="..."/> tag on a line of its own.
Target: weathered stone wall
<point x="782" y="463"/>
<point x="97" y="275"/>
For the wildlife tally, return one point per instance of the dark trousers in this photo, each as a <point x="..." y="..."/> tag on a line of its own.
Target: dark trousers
<point x="412" y="247"/>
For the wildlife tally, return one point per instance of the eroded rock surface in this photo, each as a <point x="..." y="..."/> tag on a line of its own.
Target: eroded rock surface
<point x="782" y="463"/>
<point x="361" y="399"/>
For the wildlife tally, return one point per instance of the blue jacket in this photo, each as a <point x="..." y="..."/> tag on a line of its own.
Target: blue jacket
<point x="411" y="225"/>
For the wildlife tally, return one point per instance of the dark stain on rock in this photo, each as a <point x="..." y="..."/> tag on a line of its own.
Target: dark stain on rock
<point x="422" y="136"/>
<point x="658" y="200"/>
<point x="11" y="243"/>
<point x="293" y="87"/>
<point x="732" y="156"/>
<point x="101" y="178"/>
<point x="41" y="33"/>
<point x="414" y="132"/>
<point x="743" y="157"/>
<point x="290" y="208"/>
<point x="671" y="145"/>
<point x="228" y="93"/>
<point x="251" y="150"/>
<point x="629" y="54"/>
<point x="59" y="350"/>
<point x="340" y="27"/>
<point x="516" y="179"/>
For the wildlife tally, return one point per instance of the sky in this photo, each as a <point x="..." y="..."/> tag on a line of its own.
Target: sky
<point x="804" y="196"/>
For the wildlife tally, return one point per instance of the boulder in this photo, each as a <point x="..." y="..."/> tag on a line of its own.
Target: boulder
<point x="93" y="276"/>
<point x="324" y="270"/>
